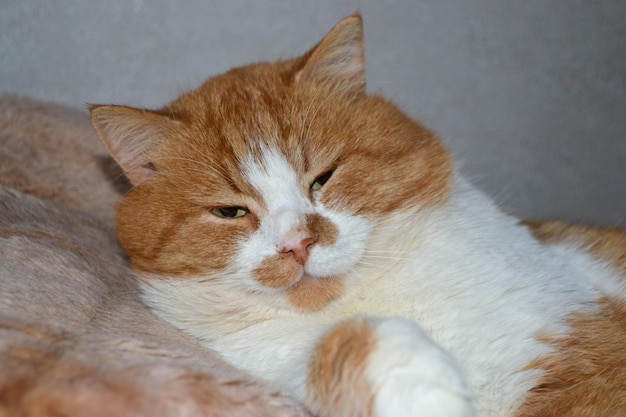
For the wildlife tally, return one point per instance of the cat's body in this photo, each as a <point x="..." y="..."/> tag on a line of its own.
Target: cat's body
<point x="320" y="239"/>
<point x="486" y="312"/>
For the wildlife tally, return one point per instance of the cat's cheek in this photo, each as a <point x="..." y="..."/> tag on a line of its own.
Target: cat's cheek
<point x="253" y="250"/>
<point x="346" y="250"/>
<point x="174" y="240"/>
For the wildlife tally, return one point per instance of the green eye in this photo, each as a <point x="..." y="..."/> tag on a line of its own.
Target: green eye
<point x="230" y="212"/>
<point x="321" y="180"/>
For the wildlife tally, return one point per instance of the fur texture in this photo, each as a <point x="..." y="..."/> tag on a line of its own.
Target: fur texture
<point x="318" y="238"/>
<point x="75" y="339"/>
<point x="51" y="151"/>
<point x="313" y="236"/>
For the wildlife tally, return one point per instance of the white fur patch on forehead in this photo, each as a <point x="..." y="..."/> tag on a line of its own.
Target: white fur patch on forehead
<point x="276" y="180"/>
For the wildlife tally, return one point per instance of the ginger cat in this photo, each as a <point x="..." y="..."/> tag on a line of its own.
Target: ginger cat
<point x="318" y="238"/>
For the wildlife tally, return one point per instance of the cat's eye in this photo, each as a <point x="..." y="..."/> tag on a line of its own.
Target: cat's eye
<point x="321" y="180"/>
<point x="230" y="212"/>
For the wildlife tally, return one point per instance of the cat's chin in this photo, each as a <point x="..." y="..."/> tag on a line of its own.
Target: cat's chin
<point x="313" y="294"/>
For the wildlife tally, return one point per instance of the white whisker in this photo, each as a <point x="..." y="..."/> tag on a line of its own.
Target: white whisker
<point x="395" y="258"/>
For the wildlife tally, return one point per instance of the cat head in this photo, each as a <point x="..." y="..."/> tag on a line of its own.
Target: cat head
<point x="272" y="176"/>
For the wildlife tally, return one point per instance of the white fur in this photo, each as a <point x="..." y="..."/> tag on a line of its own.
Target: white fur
<point x="414" y="377"/>
<point x="476" y="282"/>
<point x="483" y="288"/>
<point x="283" y="203"/>
<point x="286" y="203"/>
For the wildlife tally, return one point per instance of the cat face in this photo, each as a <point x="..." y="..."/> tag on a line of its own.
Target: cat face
<point x="272" y="176"/>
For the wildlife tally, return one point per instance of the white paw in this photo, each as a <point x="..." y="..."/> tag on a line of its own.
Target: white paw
<point x="413" y="377"/>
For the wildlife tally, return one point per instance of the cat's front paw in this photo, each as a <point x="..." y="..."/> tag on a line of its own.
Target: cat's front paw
<point x="412" y="376"/>
<point x="385" y="368"/>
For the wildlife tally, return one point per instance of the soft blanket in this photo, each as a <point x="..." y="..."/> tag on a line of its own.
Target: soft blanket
<point x="75" y="339"/>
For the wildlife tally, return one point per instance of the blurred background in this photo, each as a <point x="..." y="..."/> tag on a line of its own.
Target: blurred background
<point x="530" y="95"/>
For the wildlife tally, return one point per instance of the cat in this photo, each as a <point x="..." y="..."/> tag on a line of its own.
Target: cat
<point x="75" y="338"/>
<point x="318" y="238"/>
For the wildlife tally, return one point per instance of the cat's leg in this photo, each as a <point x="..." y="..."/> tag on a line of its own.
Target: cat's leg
<point x="384" y="367"/>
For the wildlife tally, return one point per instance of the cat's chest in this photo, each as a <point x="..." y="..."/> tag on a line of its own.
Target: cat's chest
<point x="450" y="285"/>
<point x="475" y="283"/>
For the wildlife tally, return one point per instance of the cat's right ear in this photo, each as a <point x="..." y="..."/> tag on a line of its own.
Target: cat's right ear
<point x="131" y="135"/>
<point x="339" y="59"/>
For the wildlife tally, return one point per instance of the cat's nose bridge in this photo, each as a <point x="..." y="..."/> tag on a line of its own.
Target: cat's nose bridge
<point x="287" y="220"/>
<point x="295" y="236"/>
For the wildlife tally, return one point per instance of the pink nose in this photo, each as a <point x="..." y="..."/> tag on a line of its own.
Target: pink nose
<point x="299" y="249"/>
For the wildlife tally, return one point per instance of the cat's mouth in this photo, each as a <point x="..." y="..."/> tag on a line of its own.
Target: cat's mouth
<point x="305" y="277"/>
<point x="283" y="272"/>
<point x="279" y="272"/>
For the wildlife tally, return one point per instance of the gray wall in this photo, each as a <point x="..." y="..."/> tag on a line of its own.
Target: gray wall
<point x="530" y="95"/>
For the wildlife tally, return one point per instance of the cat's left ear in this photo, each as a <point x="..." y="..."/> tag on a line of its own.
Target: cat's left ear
<point x="339" y="59"/>
<point x="131" y="136"/>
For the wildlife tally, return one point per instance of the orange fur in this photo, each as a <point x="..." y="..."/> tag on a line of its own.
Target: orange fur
<point x="338" y="362"/>
<point x="324" y="230"/>
<point x="607" y="244"/>
<point x="279" y="271"/>
<point x="185" y="159"/>
<point x="586" y="374"/>
<point x="311" y="294"/>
